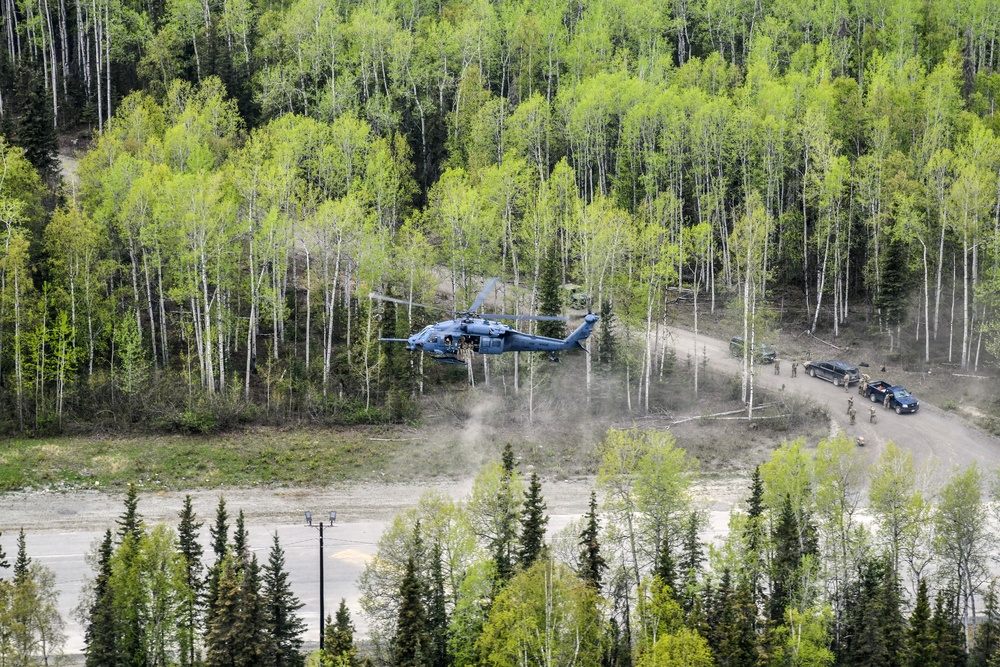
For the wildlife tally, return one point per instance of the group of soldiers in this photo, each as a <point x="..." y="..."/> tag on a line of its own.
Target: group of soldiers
<point x="862" y="389"/>
<point x="872" y="418"/>
<point x="795" y="367"/>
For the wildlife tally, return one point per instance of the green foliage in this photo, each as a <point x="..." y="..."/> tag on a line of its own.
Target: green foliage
<point x="545" y="612"/>
<point x="282" y="624"/>
<point x="592" y="563"/>
<point x="339" y="649"/>
<point x="533" y="522"/>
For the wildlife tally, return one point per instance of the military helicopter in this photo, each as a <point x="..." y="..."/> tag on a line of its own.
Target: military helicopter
<point x="452" y="341"/>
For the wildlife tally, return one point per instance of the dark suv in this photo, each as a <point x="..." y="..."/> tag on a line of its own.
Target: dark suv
<point x="833" y="371"/>
<point x="765" y="354"/>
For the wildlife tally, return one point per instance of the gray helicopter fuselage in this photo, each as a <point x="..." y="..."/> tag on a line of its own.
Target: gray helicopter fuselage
<point x="446" y="340"/>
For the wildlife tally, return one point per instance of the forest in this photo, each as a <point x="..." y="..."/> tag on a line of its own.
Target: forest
<point x="251" y="172"/>
<point x="830" y="558"/>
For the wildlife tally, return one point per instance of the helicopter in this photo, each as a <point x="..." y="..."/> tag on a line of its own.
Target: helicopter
<point x="452" y="341"/>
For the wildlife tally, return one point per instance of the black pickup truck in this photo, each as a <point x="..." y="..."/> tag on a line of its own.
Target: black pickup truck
<point x="900" y="400"/>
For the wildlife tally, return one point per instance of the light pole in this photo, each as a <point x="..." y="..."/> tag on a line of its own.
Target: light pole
<point x="322" y="618"/>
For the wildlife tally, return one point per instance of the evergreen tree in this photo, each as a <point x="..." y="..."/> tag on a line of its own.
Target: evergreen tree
<point x="550" y="294"/>
<point x="241" y="541"/>
<point x="220" y="531"/>
<point x="191" y="552"/>
<point x="592" y="564"/>
<point x="947" y="630"/>
<point x="338" y="640"/>
<point x="282" y="623"/>
<point x="101" y="634"/>
<point x="36" y="131"/>
<point x="753" y="536"/>
<point x="607" y="345"/>
<point x="130" y="522"/>
<point x="236" y="628"/>
<point x="505" y="546"/>
<point x="533" y="523"/>
<point x="920" y="642"/>
<point x="437" y="613"/>
<point x="4" y="563"/>
<point x="986" y="648"/>
<point x="23" y="562"/>
<point x="220" y="546"/>
<point x="794" y="538"/>
<point x="692" y="559"/>
<point x="666" y="567"/>
<point x="873" y="630"/>
<point x="411" y="643"/>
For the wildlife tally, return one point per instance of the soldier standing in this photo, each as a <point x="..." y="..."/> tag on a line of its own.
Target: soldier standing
<point x="795" y="367"/>
<point x="847" y="382"/>
<point x="777" y="366"/>
<point x="885" y="401"/>
<point x="850" y="404"/>
<point x="871" y="415"/>
<point x="854" y="413"/>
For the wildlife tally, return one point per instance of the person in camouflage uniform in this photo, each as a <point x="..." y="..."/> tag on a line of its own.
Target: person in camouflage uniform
<point x="872" y="419"/>
<point x="854" y="414"/>
<point x="850" y="404"/>
<point x="795" y="367"/>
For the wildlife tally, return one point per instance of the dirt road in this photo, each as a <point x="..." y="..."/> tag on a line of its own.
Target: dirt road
<point x="936" y="437"/>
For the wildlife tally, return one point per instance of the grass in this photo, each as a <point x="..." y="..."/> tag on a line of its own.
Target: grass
<point x="296" y="458"/>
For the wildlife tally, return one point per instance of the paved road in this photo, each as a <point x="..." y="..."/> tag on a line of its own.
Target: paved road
<point x="63" y="527"/>
<point x="935" y="436"/>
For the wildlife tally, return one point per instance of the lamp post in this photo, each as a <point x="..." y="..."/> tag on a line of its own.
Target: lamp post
<point x="322" y="617"/>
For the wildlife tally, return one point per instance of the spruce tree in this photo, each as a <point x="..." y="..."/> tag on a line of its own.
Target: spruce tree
<point x="550" y="294"/>
<point x="533" y="523"/>
<point x="101" y="634"/>
<point x="920" y="644"/>
<point x="220" y="546"/>
<point x="753" y="536"/>
<point x="241" y="542"/>
<point x="23" y="562"/>
<point x="36" y="131"/>
<point x="794" y="538"/>
<point x="691" y="563"/>
<point x="130" y="522"/>
<point x="410" y="645"/>
<point x="282" y="623"/>
<point x="987" y="638"/>
<point x="338" y="640"/>
<point x="592" y="564"/>
<point x="607" y="345"/>
<point x="949" y="635"/>
<point x="437" y="613"/>
<point x="873" y="626"/>
<point x="666" y="567"/>
<point x="235" y="634"/>
<point x="191" y="553"/>
<point x="505" y="547"/>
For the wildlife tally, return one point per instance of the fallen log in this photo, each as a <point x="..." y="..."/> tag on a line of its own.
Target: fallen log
<point x="842" y="349"/>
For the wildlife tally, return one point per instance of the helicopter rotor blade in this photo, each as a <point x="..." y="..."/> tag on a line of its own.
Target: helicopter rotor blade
<point x="542" y="318"/>
<point x="482" y="295"/>
<point x="382" y="297"/>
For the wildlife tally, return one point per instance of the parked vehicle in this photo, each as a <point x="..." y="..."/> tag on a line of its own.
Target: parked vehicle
<point x="833" y="371"/>
<point x="765" y="354"/>
<point x="900" y="400"/>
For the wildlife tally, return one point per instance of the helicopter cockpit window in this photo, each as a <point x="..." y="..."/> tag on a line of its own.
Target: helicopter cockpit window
<point x="434" y="339"/>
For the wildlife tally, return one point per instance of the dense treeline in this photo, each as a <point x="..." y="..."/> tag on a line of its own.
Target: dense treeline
<point x="281" y="162"/>
<point x="825" y="563"/>
<point x="154" y="600"/>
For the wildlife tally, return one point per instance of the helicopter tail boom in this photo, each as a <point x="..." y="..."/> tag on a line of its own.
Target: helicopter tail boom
<point x="582" y="332"/>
